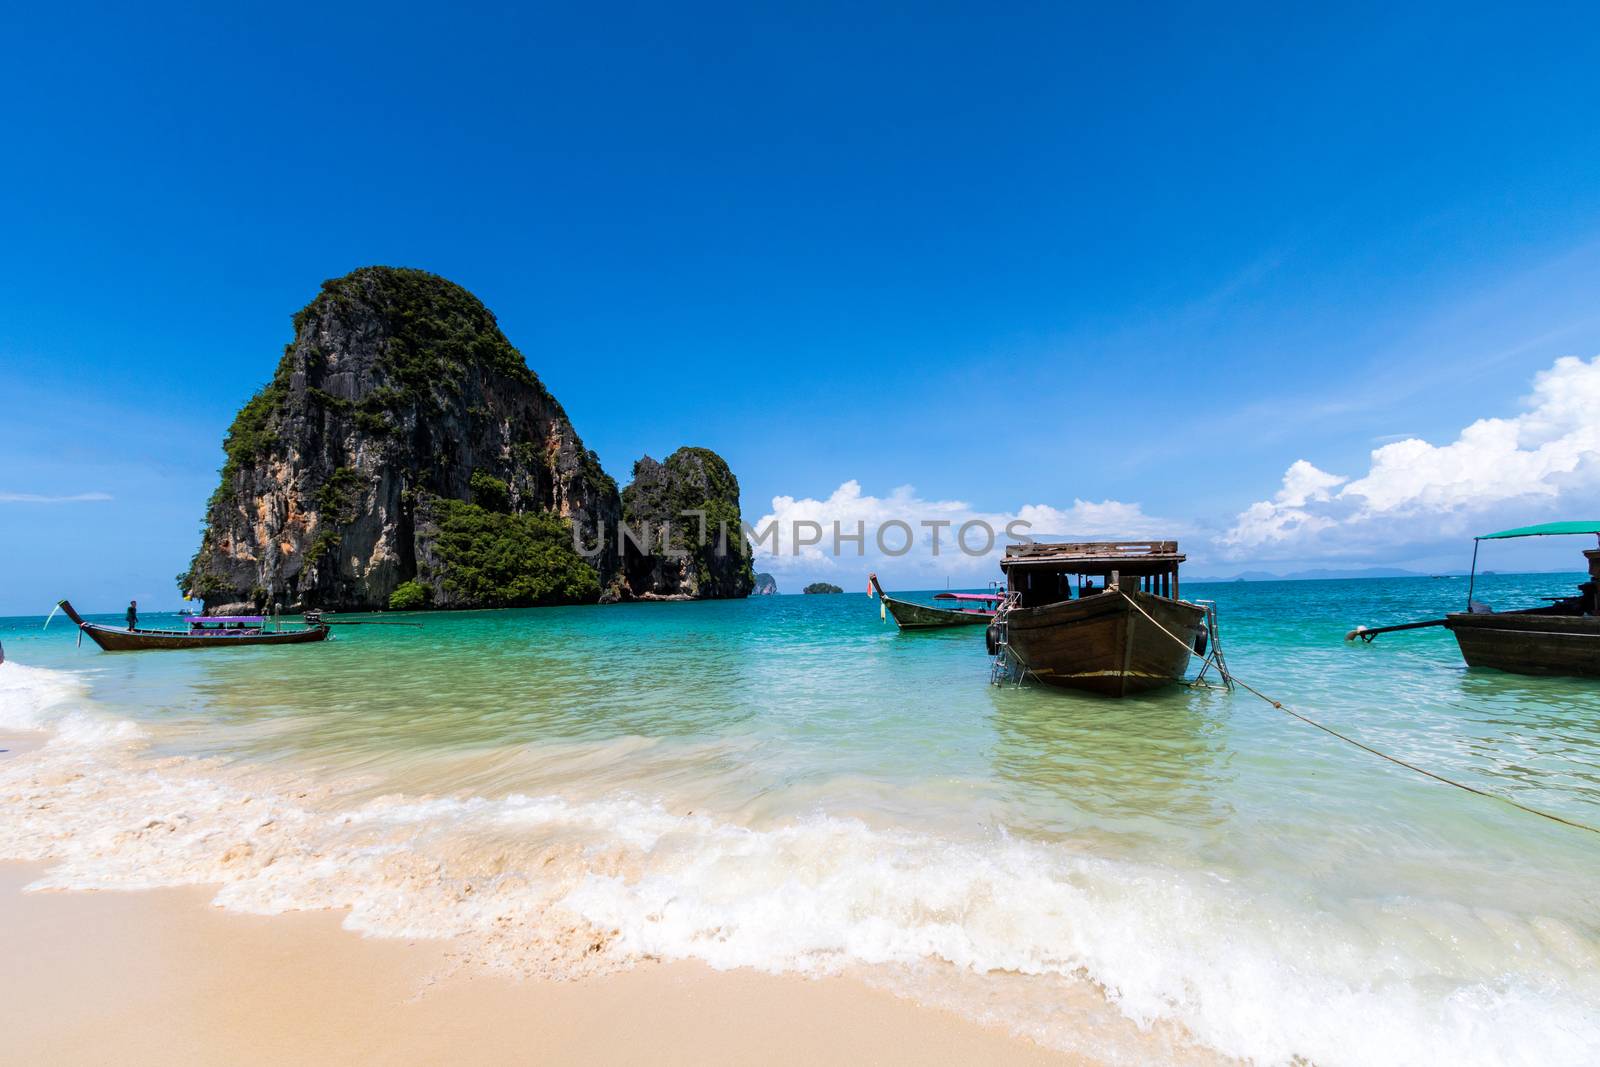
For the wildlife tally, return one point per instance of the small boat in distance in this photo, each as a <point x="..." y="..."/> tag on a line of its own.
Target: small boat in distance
<point x="217" y="631"/>
<point x="1127" y="634"/>
<point x="909" y="616"/>
<point x="1559" y="638"/>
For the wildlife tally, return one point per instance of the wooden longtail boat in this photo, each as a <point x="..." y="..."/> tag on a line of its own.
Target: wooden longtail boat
<point x="223" y="631"/>
<point x="1560" y="638"/>
<point x="909" y="616"/>
<point x="1128" y="634"/>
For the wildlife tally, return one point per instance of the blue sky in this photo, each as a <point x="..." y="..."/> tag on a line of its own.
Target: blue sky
<point x="1052" y="255"/>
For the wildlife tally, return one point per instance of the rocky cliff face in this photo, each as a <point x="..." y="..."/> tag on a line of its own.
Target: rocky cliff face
<point x="766" y="585"/>
<point x="686" y="559"/>
<point x="398" y="389"/>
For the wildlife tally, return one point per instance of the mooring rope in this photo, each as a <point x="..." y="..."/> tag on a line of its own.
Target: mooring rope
<point x="1362" y="745"/>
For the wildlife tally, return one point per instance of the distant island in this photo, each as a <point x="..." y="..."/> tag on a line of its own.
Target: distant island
<point x="405" y="456"/>
<point x="821" y="587"/>
<point x="1314" y="575"/>
<point x="766" y="585"/>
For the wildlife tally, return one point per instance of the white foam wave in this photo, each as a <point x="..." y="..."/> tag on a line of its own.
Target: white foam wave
<point x="36" y="699"/>
<point x="553" y="886"/>
<point x="1243" y="975"/>
<point x="31" y="697"/>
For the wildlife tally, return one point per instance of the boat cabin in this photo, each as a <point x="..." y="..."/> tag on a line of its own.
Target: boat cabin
<point x="981" y="602"/>
<point x="209" y="625"/>
<point x="1040" y="573"/>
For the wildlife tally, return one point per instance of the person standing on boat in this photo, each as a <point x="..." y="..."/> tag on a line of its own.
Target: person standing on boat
<point x="133" y="614"/>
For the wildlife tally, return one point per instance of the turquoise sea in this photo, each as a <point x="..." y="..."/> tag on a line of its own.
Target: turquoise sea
<point x="788" y="783"/>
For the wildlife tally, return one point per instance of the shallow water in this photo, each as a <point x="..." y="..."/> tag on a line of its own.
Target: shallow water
<point x="788" y="783"/>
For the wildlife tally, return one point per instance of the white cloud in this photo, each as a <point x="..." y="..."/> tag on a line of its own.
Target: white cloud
<point x="37" y="498"/>
<point x="852" y="510"/>
<point x="1304" y="484"/>
<point x="1108" y="518"/>
<point x="1522" y="467"/>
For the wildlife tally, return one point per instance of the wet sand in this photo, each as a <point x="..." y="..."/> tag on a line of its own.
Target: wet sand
<point x="164" y="977"/>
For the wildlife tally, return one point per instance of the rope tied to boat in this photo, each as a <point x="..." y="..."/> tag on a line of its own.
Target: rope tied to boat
<point x="1396" y="760"/>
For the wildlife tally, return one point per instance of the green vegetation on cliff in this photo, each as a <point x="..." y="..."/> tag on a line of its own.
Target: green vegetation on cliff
<point x="410" y="596"/>
<point x="596" y="474"/>
<point x="669" y="499"/>
<point x="337" y="502"/>
<point x="254" y="429"/>
<point x="489" y="492"/>
<point x="435" y="330"/>
<point x="498" y="560"/>
<point x="822" y="587"/>
<point x="692" y="480"/>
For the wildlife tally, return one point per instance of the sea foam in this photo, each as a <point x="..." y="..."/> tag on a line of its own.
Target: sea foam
<point x="32" y="697"/>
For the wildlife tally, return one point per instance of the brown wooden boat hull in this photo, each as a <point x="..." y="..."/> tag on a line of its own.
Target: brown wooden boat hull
<point x="114" y="640"/>
<point x="909" y="616"/>
<point x="1529" y="642"/>
<point x="1102" y="644"/>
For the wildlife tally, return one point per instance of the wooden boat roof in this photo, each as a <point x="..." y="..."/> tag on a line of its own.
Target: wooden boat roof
<point x="987" y="597"/>
<point x="223" y="618"/>
<point x="1096" y="557"/>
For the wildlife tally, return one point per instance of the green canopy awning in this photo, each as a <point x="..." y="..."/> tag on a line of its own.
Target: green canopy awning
<point x="1546" y="529"/>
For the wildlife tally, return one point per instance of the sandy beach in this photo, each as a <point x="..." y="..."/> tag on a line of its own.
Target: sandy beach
<point x="163" y="977"/>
